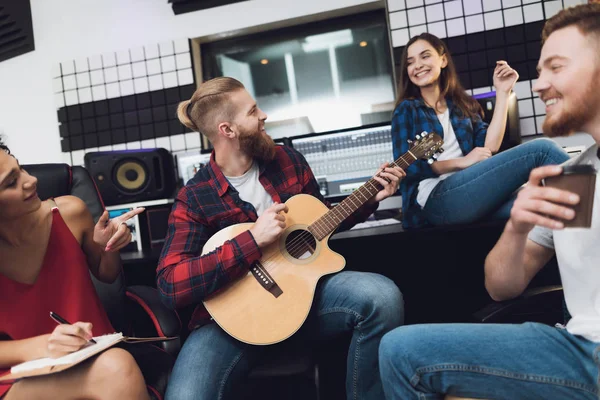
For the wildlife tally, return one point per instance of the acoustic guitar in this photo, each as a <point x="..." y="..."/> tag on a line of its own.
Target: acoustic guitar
<point x="272" y="301"/>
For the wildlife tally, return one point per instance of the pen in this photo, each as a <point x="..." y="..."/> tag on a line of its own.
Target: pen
<point x="61" y="320"/>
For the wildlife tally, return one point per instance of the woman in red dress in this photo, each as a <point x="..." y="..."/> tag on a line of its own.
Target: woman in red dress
<point x="47" y="250"/>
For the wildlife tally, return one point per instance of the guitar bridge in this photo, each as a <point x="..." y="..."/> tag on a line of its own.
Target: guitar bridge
<point x="265" y="280"/>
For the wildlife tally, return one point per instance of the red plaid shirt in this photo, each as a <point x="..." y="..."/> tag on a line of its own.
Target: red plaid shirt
<point x="207" y="204"/>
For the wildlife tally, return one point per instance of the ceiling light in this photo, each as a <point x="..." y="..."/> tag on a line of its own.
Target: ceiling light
<point x="264" y="61"/>
<point x="363" y="44"/>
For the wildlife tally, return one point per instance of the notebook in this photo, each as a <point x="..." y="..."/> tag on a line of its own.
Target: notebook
<point x="44" y="366"/>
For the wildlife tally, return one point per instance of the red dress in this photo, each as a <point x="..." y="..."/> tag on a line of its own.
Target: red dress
<point x="63" y="286"/>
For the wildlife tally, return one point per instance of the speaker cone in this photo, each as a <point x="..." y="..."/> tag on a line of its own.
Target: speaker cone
<point x="131" y="176"/>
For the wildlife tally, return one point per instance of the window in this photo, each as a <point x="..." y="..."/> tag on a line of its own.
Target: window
<point x="318" y="77"/>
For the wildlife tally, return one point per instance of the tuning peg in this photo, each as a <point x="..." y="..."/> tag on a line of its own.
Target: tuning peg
<point x="424" y="133"/>
<point x="409" y="141"/>
<point x="430" y="161"/>
<point x="435" y="156"/>
<point x="441" y="150"/>
<point x="418" y="137"/>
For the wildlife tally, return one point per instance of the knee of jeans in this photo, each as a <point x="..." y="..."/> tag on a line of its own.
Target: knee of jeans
<point x="396" y="346"/>
<point x="549" y="147"/>
<point x="385" y="300"/>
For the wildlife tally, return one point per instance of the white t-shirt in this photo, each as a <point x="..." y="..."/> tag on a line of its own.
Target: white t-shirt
<point x="451" y="151"/>
<point x="578" y="255"/>
<point x="251" y="190"/>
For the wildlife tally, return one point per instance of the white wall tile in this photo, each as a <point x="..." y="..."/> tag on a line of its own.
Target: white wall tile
<point x="83" y="79"/>
<point x="137" y="54"/>
<point x="59" y="100"/>
<point x="398" y="20"/>
<point x="527" y="126"/>
<point x="139" y="69"/>
<point x="168" y="64"/>
<point x="435" y="13"/>
<point x="185" y="77"/>
<point x="85" y="95"/>
<point x="453" y="9"/>
<point x="81" y="65"/>
<point x="69" y="82"/>
<point x="124" y="72"/>
<point x="400" y="37"/>
<point x="166" y="48"/>
<point x="471" y="7"/>
<point x="522" y="89"/>
<point x="491" y="5"/>
<point x="105" y="148"/>
<point x="510" y="3"/>
<point x="170" y="79"/>
<point x="111" y="75"/>
<point x="109" y="59"/>
<point x="395" y="5"/>
<point x="183" y="61"/>
<point x="192" y="140"/>
<point x="177" y="142"/>
<point x="151" y="51"/>
<point x="416" y="16"/>
<point x="95" y="61"/>
<point x="438" y="29"/>
<point x="552" y="8"/>
<point x="57" y="85"/>
<point x="153" y="66"/>
<point x="66" y="157"/>
<point x="56" y="72"/>
<point x="182" y="45"/>
<point x="480" y="90"/>
<point x="123" y="57"/>
<point x="414" y="3"/>
<point x="68" y="67"/>
<point x="71" y="97"/>
<point x="533" y="12"/>
<point x="126" y="87"/>
<point x="455" y="27"/>
<point x="134" y="145"/>
<point x="118" y="147"/>
<point x="493" y="20"/>
<point x="538" y="106"/>
<point x="525" y="108"/>
<point x="474" y="23"/>
<point x="163" y="142"/>
<point x="417" y="30"/>
<point x="155" y="82"/>
<point x="513" y="16"/>
<point x="571" y="3"/>
<point x="141" y="85"/>
<point x="539" y="121"/>
<point x="97" y="77"/>
<point x="78" y="157"/>
<point x="98" y="92"/>
<point x="148" y="144"/>
<point x="112" y="90"/>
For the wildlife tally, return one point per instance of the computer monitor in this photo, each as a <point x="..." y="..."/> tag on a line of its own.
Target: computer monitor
<point x="344" y="160"/>
<point x="512" y="134"/>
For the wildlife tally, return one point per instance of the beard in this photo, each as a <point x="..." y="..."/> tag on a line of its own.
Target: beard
<point x="574" y="118"/>
<point x="257" y="145"/>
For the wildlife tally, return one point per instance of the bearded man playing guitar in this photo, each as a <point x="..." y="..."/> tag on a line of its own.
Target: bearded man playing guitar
<point x="249" y="179"/>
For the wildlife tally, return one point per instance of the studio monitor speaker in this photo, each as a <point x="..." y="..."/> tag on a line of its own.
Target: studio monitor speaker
<point x="130" y="176"/>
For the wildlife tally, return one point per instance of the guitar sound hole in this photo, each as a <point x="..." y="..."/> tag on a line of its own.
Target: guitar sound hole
<point x="300" y="244"/>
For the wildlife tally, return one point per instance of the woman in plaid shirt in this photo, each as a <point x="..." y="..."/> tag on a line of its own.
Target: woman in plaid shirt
<point x="468" y="182"/>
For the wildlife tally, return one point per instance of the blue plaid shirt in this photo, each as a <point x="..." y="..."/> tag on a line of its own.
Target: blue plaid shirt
<point x="412" y="117"/>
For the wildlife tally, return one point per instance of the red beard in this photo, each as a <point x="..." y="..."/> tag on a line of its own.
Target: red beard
<point x="257" y="145"/>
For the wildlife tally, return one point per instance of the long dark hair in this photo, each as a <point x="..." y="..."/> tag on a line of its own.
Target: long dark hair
<point x="448" y="80"/>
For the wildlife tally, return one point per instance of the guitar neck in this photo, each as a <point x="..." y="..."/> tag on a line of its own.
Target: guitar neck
<point x="334" y="217"/>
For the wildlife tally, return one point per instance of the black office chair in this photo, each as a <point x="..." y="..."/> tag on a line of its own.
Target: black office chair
<point x="135" y="310"/>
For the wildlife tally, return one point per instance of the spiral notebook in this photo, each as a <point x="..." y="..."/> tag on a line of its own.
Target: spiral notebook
<point x="45" y="366"/>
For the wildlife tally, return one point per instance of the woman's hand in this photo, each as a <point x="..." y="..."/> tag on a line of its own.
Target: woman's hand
<point x="504" y="77"/>
<point x="476" y="155"/>
<point x="114" y="234"/>
<point x="389" y="178"/>
<point x="66" y="339"/>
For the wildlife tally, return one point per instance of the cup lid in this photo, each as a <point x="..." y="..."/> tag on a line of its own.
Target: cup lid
<point x="579" y="169"/>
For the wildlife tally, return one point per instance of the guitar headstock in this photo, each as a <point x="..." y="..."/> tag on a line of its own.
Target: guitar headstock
<point x="427" y="146"/>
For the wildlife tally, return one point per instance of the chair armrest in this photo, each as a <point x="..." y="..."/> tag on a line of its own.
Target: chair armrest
<point x="542" y="304"/>
<point x="156" y="319"/>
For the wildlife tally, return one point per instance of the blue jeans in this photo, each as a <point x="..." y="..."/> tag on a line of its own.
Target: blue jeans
<point x="212" y="365"/>
<point x="488" y="361"/>
<point x="487" y="188"/>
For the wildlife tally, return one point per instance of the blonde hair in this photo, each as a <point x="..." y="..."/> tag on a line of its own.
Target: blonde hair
<point x="209" y="103"/>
